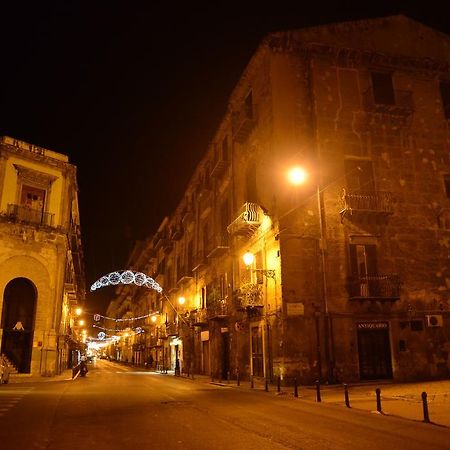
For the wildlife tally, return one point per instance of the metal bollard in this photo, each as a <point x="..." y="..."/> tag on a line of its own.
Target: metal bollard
<point x="347" y="400"/>
<point x="238" y="379"/>
<point x="318" y="397"/>
<point x="279" y="384"/>
<point x="426" y="417"/>
<point x="378" y="392"/>
<point x="295" y="388"/>
<point x="266" y="385"/>
<point x="252" y="384"/>
<point x="228" y="377"/>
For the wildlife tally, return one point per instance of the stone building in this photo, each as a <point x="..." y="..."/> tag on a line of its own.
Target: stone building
<point x="41" y="259"/>
<point x="347" y="275"/>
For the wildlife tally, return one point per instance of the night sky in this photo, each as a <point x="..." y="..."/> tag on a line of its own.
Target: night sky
<point x="133" y="95"/>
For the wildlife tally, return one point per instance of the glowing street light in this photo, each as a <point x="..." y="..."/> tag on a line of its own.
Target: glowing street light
<point x="78" y="311"/>
<point x="153" y="319"/>
<point x="81" y="322"/>
<point x="297" y="175"/>
<point x="248" y="258"/>
<point x="181" y="300"/>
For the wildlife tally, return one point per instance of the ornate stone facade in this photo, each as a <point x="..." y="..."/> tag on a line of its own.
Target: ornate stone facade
<point x="41" y="260"/>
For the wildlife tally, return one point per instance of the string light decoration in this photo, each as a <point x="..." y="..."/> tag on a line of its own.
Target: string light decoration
<point x="101" y="335"/>
<point x="137" y="330"/>
<point x="126" y="277"/>
<point x="98" y="317"/>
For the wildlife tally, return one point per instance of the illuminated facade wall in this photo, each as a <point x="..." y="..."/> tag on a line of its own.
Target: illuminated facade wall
<point x="364" y="108"/>
<point x="40" y="246"/>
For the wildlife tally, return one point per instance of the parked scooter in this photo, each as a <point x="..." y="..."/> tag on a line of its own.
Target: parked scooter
<point x="83" y="369"/>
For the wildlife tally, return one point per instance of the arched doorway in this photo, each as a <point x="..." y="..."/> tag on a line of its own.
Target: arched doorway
<point x="19" y="306"/>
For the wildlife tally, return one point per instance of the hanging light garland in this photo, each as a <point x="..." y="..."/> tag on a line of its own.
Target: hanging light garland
<point x="98" y="317"/>
<point x="126" y="277"/>
<point x="137" y="330"/>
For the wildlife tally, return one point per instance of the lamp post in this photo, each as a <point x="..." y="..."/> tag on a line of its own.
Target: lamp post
<point x="298" y="176"/>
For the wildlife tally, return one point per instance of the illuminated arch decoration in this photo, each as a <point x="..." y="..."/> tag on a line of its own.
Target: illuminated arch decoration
<point x="126" y="277"/>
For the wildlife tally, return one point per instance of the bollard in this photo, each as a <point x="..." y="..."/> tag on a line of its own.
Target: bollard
<point x="278" y="384"/>
<point x="347" y="400"/>
<point x="295" y="388"/>
<point x="228" y="377"/>
<point x="238" y="379"/>
<point x="318" y="397"/>
<point x="426" y="417"/>
<point x="252" y="384"/>
<point x="378" y="392"/>
<point x="266" y="385"/>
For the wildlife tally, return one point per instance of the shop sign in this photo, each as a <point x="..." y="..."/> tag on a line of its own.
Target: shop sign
<point x="372" y="325"/>
<point x="224" y="330"/>
<point x="204" y="335"/>
<point x="295" y="309"/>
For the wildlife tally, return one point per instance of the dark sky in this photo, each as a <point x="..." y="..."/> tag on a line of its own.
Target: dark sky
<point x="133" y="91"/>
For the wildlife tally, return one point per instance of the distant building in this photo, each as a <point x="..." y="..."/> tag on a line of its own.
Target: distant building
<point x="41" y="259"/>
<point x="350" y="274"/>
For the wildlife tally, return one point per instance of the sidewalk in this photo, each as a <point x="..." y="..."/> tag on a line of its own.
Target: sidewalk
<point x="397" y="399"/>
<point x="28" y="378"/>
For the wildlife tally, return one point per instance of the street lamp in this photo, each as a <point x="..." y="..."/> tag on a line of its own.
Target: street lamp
<point x="298" y="176"/>
<point x="78" y="311"/>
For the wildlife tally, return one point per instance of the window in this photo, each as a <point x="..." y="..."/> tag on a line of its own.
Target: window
<point x="447" y="184"/>
<point x="224" y="217"/>
<point x="250" y="180"/>
<point x="248" y="105"/>
<point x="363" y="260"/>
<point x="359" y="175"/>
<point x="445" y="96"/>
<point x="383" y="89"/>
<point x="225" y="149"/>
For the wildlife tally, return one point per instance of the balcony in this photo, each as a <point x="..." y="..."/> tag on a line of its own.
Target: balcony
<point x="218" y="311"/>
<point x="249" y="296"/>
<point x="176" y="232"/>
<point x="248" y="220"/>
<point x="23" y="213"/>
<point x="184" y="275"/>
<point x="363" y="204"/>
<point x="220" y="167"/>
<point x="172" y="329"/>
<point x="200" y="261"/>
<point x="219" y="245"/>
<point x="403" y="106"/>
<point x="243" y="123"/>
<point x="375" y="287"/>
<point x="199" y="317"/>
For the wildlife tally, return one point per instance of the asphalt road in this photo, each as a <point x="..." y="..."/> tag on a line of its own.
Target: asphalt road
<point x="116" y="407"/>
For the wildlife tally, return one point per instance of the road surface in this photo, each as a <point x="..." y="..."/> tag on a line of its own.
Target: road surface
<point x="118" y="407"/>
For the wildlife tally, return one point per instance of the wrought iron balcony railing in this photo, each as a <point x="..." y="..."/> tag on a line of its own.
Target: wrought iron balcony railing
<point x="248" y="220"/>
<point x="218" y="310"/>
<point x="377" y="202"/>
<point x="24" y="213"/>
<point x="199" y="317"/>
<point x="375" y="287"/>
<point x="219" y="245"/>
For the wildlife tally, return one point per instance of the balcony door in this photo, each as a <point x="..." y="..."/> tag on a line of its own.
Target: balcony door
<point x="19" y="305"/>
<point x="359" y="176"/>
<point x="363" y="265"/>
<point x="257" y="351"/>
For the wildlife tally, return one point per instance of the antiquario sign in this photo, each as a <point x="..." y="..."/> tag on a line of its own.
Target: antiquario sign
<point x="372" y="325"/>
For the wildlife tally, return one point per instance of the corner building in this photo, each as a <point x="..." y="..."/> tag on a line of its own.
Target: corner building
<point x="41" y="258"/>
<point x="350" y="272"/>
